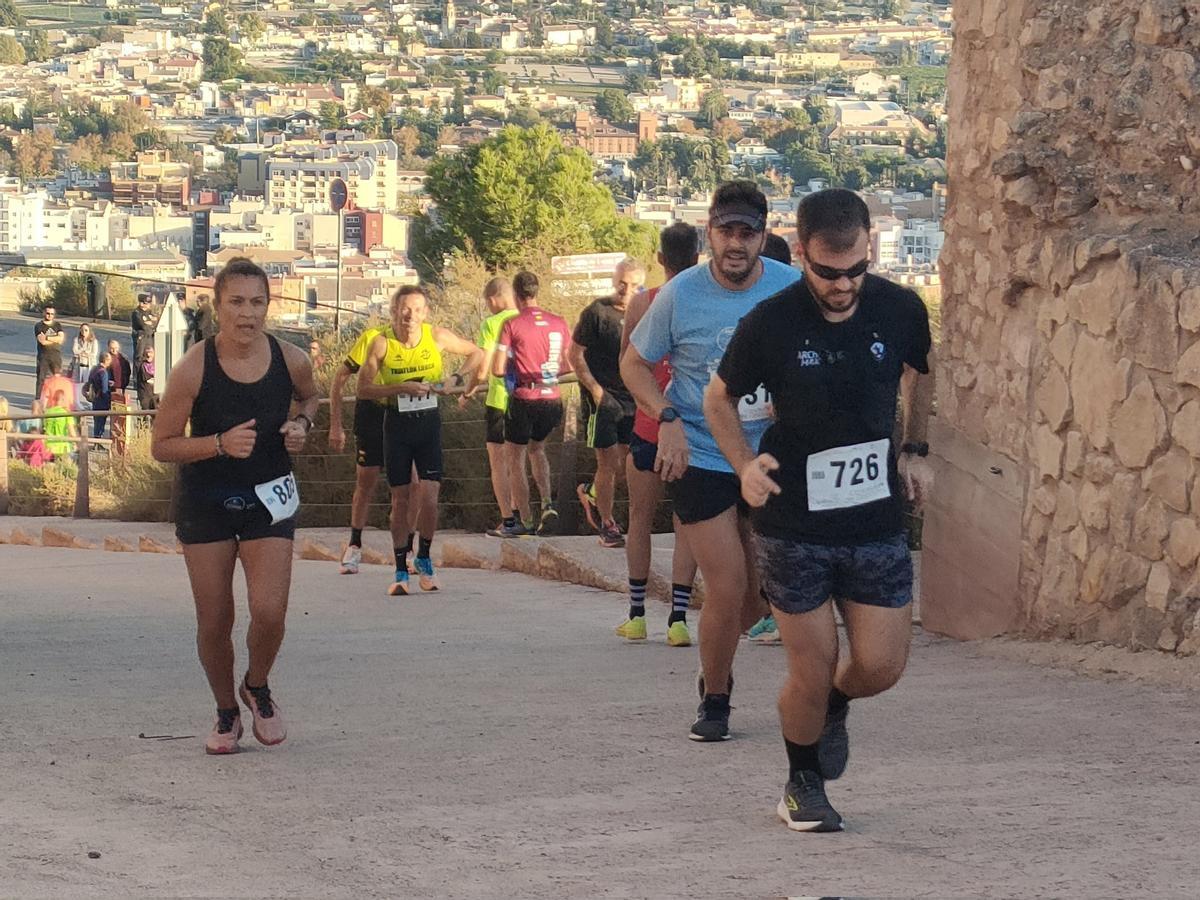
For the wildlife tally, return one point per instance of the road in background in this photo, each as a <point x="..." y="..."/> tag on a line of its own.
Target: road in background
<point x="18" y="352"/>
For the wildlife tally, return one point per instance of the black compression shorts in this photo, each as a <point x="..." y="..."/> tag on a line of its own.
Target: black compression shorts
<point x="412" y="438"/>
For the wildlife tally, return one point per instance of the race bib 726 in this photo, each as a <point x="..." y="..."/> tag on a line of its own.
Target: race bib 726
<point x="848" y="476"/>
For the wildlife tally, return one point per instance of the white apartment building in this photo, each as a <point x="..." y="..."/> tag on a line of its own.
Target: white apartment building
<point x="299" y="176"/>
<point x="887" y="241"/>
<point x="922" y="241"/>
<point x="682" y="93"/>
<point x="22" y="217"/>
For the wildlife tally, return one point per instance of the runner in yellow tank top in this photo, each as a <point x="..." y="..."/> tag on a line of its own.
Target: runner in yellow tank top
<point x="408" y="362"/>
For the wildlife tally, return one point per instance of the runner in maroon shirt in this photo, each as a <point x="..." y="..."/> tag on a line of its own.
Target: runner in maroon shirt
<point x="531" y="355"/>
<point x="680" y="248"/>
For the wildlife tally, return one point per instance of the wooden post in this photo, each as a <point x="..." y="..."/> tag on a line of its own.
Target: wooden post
<point x="82" y="506"/>
<point x="3" y="473"/>
<point x="568" y="509"/>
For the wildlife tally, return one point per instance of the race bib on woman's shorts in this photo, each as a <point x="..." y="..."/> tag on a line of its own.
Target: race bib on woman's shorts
<point x="280" y="497"/>
<point x="848" y="476"/>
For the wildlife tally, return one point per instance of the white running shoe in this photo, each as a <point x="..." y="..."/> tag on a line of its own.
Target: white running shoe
<point x="351" y="560"/>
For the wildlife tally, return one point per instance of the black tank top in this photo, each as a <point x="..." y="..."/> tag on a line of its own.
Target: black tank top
<point x="223" y="403"/>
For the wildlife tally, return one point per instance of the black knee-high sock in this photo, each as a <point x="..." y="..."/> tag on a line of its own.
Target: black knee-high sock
<point x="423" y="547"/>
<point x="356" y="537"/>
<point x="801" y="758"/>
<point x="837" y="702"/>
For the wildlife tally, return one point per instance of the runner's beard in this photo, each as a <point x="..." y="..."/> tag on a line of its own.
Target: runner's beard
<point x="848" y="300"/>
<point x="739" y="277"/>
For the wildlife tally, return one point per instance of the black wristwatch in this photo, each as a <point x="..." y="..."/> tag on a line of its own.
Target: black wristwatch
<point x="668" y="414"/>
<point x="915" y="448"/>
<point x="308" y="423"/>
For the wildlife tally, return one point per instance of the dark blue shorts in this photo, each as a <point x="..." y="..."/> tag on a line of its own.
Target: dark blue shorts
<point x="643" y="453"/>
<point x="797" y="577"/>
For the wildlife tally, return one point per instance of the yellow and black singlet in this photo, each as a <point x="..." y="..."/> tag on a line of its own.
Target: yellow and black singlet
<point x="420" y="363"/>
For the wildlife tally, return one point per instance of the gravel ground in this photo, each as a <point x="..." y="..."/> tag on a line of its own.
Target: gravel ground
<point x="497" y="740"/>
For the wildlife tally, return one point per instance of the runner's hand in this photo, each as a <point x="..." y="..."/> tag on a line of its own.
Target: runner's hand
<point x="337" y="437"/>
<point x="295" y="436"/>
<point x="672" y="459"/>
<point x="757" y="484"/>
<point x="917" y="476"/>
<point x="238" y="441"/>
<point x="598" y="396"/>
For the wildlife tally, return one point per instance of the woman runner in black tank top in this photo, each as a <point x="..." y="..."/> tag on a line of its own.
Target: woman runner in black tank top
<point x="224" y="403"/>
<point x="239" y="498"/>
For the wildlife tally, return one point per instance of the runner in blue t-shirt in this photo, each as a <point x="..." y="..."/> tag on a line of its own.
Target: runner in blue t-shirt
<point x="692" y="321"/>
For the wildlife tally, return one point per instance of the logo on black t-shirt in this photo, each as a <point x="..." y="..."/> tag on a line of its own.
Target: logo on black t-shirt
<point x="878" y="351"/>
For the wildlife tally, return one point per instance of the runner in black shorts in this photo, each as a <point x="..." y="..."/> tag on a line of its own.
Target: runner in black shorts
<point x="827" y="485"/>
<point x="531" y="355"/>
<point x="498" y="295"/>
<point x="239" y="497"/>
<point x="679" y="247"/>
<point x="403" y="368"/>
<point x="690" y="323"/>
<point x="368" y="439"/>
<point x="607" y="404"/>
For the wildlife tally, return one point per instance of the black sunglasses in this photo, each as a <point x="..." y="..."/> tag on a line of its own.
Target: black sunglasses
<point x="831" y="274"/>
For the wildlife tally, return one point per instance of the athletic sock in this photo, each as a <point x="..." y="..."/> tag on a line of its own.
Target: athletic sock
<point x="423" y="548"/>
<point x="411" y="537"/>
<point x="355" y="537"/>
<point x="837" y="702"/>
<point x="801" y="758"/>
<point x="402" y="558"/>
<point x="681" y="599"/>
<point x="516" y="516"/>
<point x="510" y="521"/>
<point x="637" y="597"/>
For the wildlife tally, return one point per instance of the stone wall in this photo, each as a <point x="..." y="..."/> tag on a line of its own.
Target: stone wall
<point x="1068" y="426"/>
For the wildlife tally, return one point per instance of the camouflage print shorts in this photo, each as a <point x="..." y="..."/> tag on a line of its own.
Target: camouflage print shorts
<point x="797" y="577"/>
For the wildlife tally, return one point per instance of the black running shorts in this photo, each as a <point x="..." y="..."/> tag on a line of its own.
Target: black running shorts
<point x="531" y="420"/>
<point x="208" y="515"/>
<point x="368" y="433"/>
<point x="607" y="425"/>
<point x="412" y="437"/>
<point x="643" y="453"/>
<point x="797" y="577"/>
<point x="703" y="494"/>
<point x="494" y="419"/>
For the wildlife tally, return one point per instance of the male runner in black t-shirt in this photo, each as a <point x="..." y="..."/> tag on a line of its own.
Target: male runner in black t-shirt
<point x="832" y="351"/>
<point x="608" y="405"/>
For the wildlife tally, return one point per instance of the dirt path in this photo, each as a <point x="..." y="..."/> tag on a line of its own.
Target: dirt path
<point x="496" y="740"/>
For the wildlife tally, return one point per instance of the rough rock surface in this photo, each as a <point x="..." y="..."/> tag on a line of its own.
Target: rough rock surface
<point x="1071" y="317"/>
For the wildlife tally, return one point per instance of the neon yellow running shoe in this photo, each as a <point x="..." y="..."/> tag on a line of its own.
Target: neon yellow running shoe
<point x="678" y="635"/>
<point x="633" y="629"/>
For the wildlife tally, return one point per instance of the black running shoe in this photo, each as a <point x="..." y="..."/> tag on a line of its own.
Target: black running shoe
<point x="804" y="806"/>
<point x="833" y="750"/>
<point x="712" y="719"/>
<point x="700" y="684"/>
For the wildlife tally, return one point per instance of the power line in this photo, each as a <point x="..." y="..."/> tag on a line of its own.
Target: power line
<point x="165" y="281"/>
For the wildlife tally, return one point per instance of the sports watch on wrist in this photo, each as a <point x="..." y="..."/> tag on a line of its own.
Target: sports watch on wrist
<point x="915" y="448"/>
<point x="668" y="414"/>
<point x="308" y="423"/>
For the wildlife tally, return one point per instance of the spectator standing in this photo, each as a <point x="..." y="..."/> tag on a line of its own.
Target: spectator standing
<point x="143" y="322"/>
<point x="85" y="353"/>
<point x="315" y="356"/>
<point x="50" y="336"/>
<point x="189" y="317"/>
<point x="54" y="382"/>
<point x="59" y="425"/>
<point x="121" y="371"/>
<point x="99" y="391"/>
<point x="146" y="396"/>
<point x="206" y="319"/>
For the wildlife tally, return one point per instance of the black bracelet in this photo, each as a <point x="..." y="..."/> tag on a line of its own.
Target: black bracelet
<point x="915" y="448"/>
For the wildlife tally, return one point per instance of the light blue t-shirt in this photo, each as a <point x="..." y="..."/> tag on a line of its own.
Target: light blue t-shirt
<point x="691" y="321"/>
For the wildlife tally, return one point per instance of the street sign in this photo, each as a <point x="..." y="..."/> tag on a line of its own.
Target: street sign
<point x="586" y="264"/>
<point x="338" y="194"/>
<point x="170" y="342"/>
